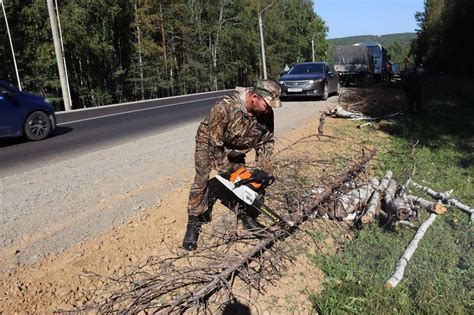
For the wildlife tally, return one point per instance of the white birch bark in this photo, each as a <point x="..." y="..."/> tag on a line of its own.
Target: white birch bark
<point x="436" y="195"/>
<point x="390" y="192"/>
<point x="403" y="262"/>
<point x="375" y="198"/>
<point x="140" y="61"/>
<point x="216" y="43"/>
<point x="426" y="204"/>
<point x="444" y="197"/>
<point x="340" y="112"/>
<point x="354" y="199"/>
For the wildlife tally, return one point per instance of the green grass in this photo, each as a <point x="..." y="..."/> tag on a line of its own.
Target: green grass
<point x="439" y="278"/>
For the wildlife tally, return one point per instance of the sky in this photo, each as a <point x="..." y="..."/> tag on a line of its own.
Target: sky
<point x="368" y="17"/>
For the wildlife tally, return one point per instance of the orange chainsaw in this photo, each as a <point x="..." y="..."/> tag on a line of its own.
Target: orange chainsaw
<point x="248" y="186"/>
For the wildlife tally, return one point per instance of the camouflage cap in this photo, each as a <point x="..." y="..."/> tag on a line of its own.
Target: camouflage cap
<point x="270" y="91"/>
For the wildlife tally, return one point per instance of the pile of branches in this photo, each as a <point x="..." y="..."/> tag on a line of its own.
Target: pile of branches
<point x="388" y="199"/>
<point x="396" y="206"/>
<point x="368" y="104"/>
<point x="228" y="255"/>
<point x="379" y="197"/>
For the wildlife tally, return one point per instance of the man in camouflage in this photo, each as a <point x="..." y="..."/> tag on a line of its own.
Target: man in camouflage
<point x="236" y="125"/>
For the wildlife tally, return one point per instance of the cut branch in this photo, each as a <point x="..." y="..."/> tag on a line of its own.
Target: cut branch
<point x="433" y="207"/>
<point x="322" y="120"/>
<point x="202" y="294"/>
<point x="403" y="262"/>
<point x="445" y="198"/>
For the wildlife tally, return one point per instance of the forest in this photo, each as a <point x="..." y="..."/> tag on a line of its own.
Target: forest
<point x="445" y="27"/>
<point x="121" y="50"/>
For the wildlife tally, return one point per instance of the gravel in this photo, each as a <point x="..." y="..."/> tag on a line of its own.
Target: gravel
<point x="47" y="209"/>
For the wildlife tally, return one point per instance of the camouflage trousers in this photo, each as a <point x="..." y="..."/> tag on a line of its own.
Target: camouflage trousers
<point x="198" y="202"/>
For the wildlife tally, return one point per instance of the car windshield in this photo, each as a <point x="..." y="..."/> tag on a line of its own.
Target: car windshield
<point x="306" y="69"/>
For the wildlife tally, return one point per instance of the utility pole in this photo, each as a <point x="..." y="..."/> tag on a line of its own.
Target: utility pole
<point x="312" y="47"/>
<point x="63" y="51"/>
<point x="11" y="45"/>
<point x="262" y="44"/>
<point x="59" y="57"/>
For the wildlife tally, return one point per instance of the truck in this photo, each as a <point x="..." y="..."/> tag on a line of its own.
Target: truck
<point x="353" y="64"/>
<point x="380" y="59"/>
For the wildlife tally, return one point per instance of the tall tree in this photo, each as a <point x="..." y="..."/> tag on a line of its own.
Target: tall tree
<point x="445" y="25"/>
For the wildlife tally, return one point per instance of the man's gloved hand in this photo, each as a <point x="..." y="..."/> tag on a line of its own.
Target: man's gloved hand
<point x="236" y="156"/>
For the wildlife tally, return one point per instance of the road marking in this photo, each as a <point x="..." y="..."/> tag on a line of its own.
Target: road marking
<point x="62" y="112"/>
<point x="137" y="110"/>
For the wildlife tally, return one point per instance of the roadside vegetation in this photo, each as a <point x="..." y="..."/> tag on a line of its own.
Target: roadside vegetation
<point x="439" y="277"/>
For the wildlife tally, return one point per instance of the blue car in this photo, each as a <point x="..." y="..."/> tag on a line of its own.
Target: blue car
<point x="24" y="114"/>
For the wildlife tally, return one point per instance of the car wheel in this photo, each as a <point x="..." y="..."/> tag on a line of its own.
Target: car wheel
<point x="325" y="93"/>
<point x="338" y="89"/>
<point x="37" y="126"/>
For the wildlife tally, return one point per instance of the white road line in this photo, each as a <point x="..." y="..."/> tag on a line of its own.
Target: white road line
<point x="59" y="113"/>
<point x="138" y="110"/>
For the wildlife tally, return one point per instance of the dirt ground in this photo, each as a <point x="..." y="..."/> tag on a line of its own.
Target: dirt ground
<point x="59" y="282"/>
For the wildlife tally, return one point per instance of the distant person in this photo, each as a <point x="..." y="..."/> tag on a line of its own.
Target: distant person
<point x="389" y="70"/>
<point x="412" y="83"/>
<point x="236" y="125"/>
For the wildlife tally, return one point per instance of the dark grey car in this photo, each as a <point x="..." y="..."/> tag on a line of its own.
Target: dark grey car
<point x="310" y="79"/>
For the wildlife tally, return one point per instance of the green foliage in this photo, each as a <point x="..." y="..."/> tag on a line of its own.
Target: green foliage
<point x="444" y="27"/>
<point x="126" y="50"/>
<point x="439" y="277"/>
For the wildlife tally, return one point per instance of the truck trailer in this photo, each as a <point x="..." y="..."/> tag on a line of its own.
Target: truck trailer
<point x="354" y="64"/>
<point x="380" y="59"/>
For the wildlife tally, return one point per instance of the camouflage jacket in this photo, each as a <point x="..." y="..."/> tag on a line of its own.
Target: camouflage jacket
<point x="229" y="127"/>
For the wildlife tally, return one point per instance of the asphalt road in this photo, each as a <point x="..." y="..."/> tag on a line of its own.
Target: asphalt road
<point x="83" y="130"/>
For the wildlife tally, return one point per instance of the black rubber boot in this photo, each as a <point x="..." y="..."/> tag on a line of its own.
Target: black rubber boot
<point x="250" y="223"/>
<point x="192" y="233"/>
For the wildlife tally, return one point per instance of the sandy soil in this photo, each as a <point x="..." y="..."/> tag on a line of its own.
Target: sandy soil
<point x="60" y="281"/>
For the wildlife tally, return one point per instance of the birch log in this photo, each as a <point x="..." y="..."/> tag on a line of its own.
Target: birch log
<point x="401" y="208"/>
<point x="462" y="207"/>
<point x="443" y="196"/>
<point x="446" y="199"/>
<point x="402" y="263"/>
<point x="375" y="199"/>
<point x="437" y="208"/>
<point x="354" y="199"/>
<point x="340" y="112"/>
<point x="390" y="192"/>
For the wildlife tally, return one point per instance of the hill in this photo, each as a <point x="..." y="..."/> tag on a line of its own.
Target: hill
<point x="398" y="45"/>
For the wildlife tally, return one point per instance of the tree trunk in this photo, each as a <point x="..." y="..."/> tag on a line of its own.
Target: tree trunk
<point x="216" y="44"/>
<point x="140" y="63"/>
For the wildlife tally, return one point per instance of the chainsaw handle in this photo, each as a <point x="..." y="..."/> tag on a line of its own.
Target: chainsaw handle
<point x="257" y="179"/>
